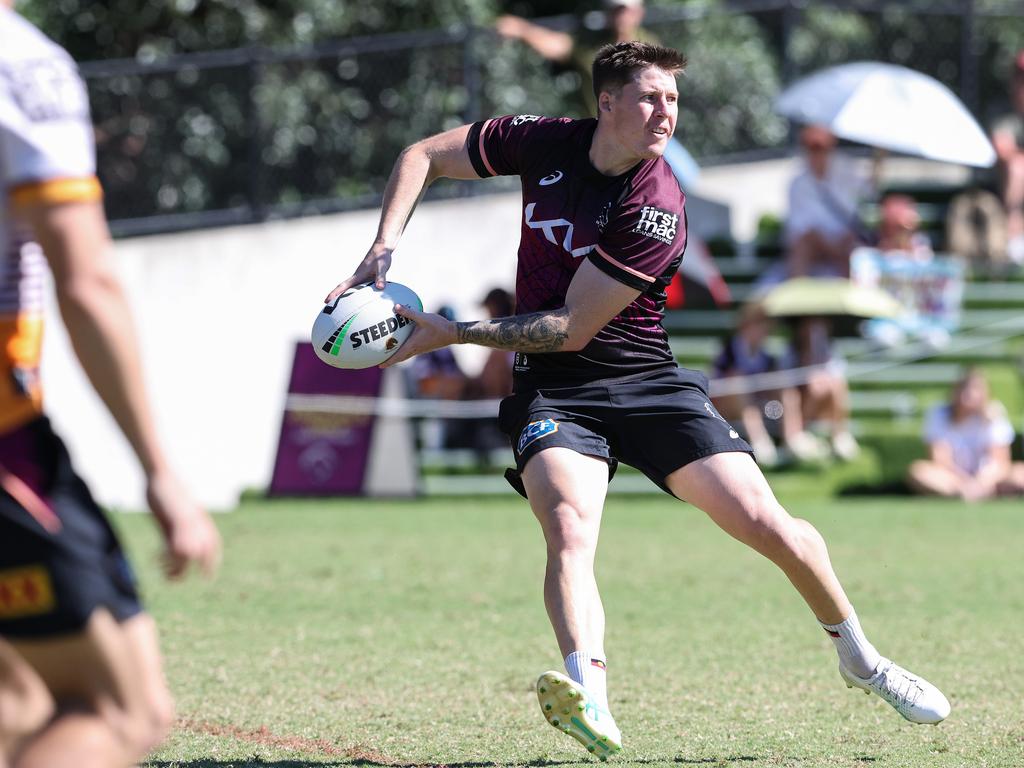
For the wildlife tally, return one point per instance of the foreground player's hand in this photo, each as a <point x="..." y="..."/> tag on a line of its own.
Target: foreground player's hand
<point x="189" y="534"/>
<point x="431" y="332"/>
<point x="374" y="266"/>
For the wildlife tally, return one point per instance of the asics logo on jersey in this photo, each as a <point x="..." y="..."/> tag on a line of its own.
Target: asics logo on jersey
<point x="520" y="119"/>
<point x="548" y="226"/>
<point x="553" y="178"/>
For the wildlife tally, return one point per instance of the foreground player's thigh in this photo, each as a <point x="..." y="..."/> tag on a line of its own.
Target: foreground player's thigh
<point x="111" y="671"/>
<point x="25" y="704"/>
<point x="561" y="482"/>
<point x="732" y="490"/>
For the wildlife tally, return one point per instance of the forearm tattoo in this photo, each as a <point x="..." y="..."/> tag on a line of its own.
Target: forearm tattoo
<point x="536" y="332"/>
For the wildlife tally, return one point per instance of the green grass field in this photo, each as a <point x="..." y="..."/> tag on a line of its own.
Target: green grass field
<point x="410" y="633"/>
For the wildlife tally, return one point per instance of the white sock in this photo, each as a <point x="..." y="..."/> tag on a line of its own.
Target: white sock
<point x="855" y="650"/>
<point x="590" y="672"/>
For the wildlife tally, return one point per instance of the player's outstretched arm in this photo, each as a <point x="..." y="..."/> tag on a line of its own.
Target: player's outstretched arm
<point x="445" y="155"/>
<point x="76" y="242"/>
<point x="593" y="299"/>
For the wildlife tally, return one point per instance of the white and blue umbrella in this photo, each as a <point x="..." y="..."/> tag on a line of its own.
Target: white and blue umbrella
<point x="891" y="107"/>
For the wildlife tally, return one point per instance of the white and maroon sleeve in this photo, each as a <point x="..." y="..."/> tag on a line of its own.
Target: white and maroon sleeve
<point x="503" y="146"/>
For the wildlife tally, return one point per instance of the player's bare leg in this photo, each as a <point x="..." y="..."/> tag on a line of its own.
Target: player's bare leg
<point x="931" y="478"/>
<point x="735" y="495"/>
<point x="111" y="712"/>
<point x="566" y="492"/>
<point x="25" y="704"/>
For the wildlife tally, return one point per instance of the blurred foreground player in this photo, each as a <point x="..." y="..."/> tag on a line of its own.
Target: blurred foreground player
<point x="595" y="382"/>
<point x="81" y="682"/>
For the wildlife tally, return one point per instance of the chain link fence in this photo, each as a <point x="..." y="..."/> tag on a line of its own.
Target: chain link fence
<point x="239" y="136"/>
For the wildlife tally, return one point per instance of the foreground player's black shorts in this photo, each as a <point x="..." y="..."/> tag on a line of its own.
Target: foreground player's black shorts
<point x="657" y="423"/>
<point x="60" y="561"/>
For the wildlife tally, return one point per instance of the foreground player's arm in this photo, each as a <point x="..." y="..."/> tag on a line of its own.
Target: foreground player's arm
<point x="76" y="242"/>
<point x="445" y="155"/>
<point x="593" y="300"/>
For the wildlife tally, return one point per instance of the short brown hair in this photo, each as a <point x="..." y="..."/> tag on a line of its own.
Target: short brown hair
<point x="616" y="64"/>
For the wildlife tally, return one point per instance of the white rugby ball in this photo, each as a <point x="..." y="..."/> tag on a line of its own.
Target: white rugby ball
<point x="360" y="329"/>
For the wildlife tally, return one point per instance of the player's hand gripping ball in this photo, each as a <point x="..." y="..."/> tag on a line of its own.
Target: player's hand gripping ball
<point x="360" y="329"/>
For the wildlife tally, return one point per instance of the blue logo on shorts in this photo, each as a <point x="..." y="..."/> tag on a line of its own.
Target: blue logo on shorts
<point x="534" y="431"/>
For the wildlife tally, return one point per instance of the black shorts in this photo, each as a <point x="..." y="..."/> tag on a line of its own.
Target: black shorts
<point x="60" y="561"/>
<point x="656" y="423"/>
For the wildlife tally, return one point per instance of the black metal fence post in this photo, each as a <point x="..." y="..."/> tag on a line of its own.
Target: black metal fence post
<point x="968" y="59"/>
<point x="471" y="77"/>
<point x="791" y="13"/>
<point x="255" y="171"/>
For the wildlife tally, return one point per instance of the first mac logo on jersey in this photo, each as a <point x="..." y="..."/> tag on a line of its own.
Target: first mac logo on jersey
<point x="656" y="223"/>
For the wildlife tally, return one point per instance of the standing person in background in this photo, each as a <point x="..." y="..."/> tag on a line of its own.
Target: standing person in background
<point x="81" y="681"/>
<point x="1008" y="139"/>
<point x="595" y="381"/>
<point x="969" y="439"/>
<point x="622" y="22"/>
<point x="822" y="227"/>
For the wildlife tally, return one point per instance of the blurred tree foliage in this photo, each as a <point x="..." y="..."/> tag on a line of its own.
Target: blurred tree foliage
<point x="107" y="29"/>
<point x="265" y="128"/>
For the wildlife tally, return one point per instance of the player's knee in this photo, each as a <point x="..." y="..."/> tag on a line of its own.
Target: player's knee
<point x="772" y="532"/>
<point x="153" y="722"/>
<point x="145" y="725"/>
<point x="25" y="708"/>
<point x="571" y="531"/>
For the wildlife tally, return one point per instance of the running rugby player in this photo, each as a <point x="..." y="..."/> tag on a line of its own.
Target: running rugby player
<point x="595" y="382"/>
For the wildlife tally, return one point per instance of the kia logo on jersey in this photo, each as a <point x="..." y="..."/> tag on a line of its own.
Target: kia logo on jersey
<point x="547" y="226"/>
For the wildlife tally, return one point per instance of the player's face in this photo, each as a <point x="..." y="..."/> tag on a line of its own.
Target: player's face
<point x="643" y="113"/>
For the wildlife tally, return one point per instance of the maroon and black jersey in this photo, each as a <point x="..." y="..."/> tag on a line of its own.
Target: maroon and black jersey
<point x="632" y="227"/>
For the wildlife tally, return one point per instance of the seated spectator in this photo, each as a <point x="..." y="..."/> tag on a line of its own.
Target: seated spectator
<point x="440" y="376"/>
<point x="824" y="396"/>
<point x="969" y="442"/>
<point x="744" y="354"/>
<point x="495" y="378"/>
<point x="437" y="373"/>
<point x="822" y="227"/>
<point x="899" y="228"/>
<point x="976" y="231"/>
<point x="1008" y="140"/>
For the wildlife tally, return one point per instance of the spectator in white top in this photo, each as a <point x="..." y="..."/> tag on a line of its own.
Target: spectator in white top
<point x="969" y="442"/>
<point x="822" y="227"/>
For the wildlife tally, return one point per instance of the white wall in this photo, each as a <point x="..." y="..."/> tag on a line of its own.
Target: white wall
<point x="218" y="313"/>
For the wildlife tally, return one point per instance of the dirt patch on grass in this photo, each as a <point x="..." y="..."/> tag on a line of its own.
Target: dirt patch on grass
<point x="264" y="737"/>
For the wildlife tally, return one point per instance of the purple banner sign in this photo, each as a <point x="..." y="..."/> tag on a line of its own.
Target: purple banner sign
<point x="321" y="453"/>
